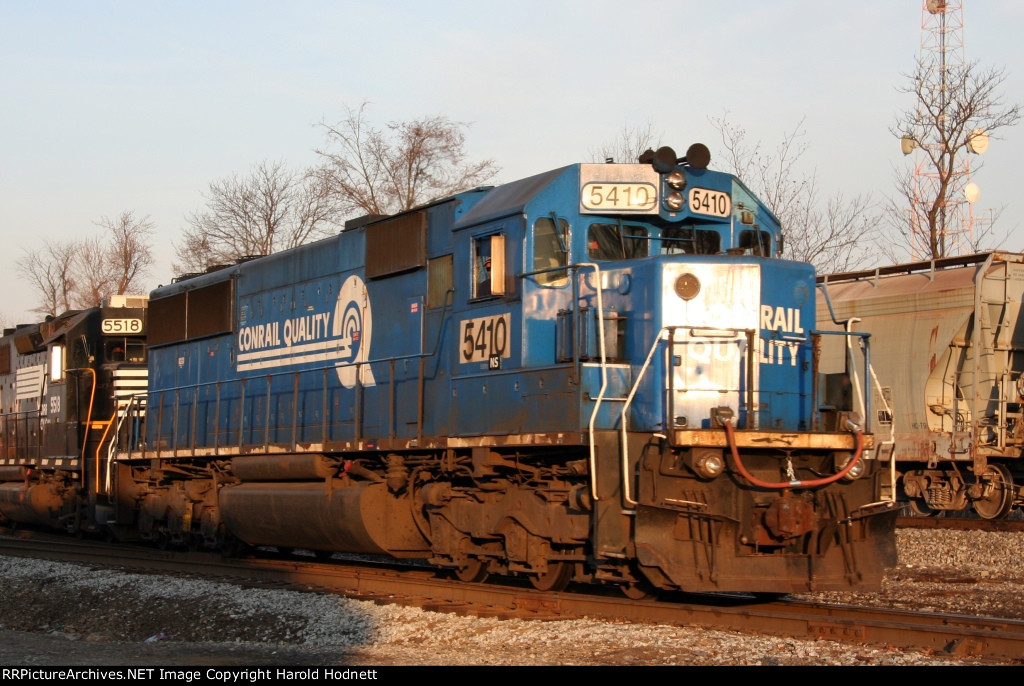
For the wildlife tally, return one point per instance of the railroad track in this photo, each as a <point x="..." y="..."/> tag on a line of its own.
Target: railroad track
<point x="957" y="635"/>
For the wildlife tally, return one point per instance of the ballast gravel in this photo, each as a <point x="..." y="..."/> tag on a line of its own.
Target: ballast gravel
<point x="55" y="614"/>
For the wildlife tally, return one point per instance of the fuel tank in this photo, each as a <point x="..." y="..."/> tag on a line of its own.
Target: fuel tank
<point x="324" y="515"/>
<point x="40" y="504"/>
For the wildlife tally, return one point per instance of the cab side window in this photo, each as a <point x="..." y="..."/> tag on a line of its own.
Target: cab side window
<point x="488" y="265"/>
<point x="551" y="249"/>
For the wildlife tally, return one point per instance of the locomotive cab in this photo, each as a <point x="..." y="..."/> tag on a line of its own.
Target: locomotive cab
<point x="65" y="383"/>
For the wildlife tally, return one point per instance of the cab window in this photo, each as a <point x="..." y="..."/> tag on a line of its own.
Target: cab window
<point x="616" y="241"/>
<point x="690" y="241"/>
<point x="488" y="265"/>
<point x="124" y="350"/>
<point x="756" y="242"/>
<point x="551" y="249"/>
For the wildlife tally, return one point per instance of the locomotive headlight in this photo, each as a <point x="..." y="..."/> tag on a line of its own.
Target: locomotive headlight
<point x="676" y="180"/>
<point x="674" y="201"/>
<point x="707" y="462"/>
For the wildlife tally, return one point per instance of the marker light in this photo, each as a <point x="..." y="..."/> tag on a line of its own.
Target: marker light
<point x="855" y="472"/>
<point x="708" y="463"/>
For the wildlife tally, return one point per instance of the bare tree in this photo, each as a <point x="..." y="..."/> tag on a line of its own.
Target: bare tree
<point x="834" y="234"/>
<point x="113" y="262"/>
<point x="83" y="273"/>
<point x="128" y="251"/>
<point x="376" y="171"/>
<point x="957" y="108"/>
<point x="93" y="272"/>
<point x="271" y="209"/>
<point x="49" y="270"/>
<point x="630" y="143"/>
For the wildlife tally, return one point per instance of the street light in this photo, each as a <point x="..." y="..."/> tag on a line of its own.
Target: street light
<point x="977" y="142"/>
<point x="907" y="144"/>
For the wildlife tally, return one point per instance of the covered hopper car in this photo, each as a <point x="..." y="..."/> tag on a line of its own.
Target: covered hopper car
<point x="602" y="374"/>
<point x="948" y="356"/>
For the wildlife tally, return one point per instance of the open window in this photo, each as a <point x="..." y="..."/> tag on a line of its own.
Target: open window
<point x="488" y="266"/>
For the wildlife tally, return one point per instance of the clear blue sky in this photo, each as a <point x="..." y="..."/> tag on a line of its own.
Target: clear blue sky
<point x="113" y="106"/>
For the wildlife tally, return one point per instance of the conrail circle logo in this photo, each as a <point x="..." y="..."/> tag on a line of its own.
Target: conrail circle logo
<point x="353" y="324"/>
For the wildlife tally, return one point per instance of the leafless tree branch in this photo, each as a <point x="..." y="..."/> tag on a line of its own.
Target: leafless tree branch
<point x="833" y="234"/>
<point x="271" y="209"/>
<point x="629" y="144"/>
<point x="373" y="171"/>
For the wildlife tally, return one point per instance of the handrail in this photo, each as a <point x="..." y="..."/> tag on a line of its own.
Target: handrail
<point x="19" y="419"/>
<point x="604" y="371"/>
<point x="269" y="377"/>
<point x="127" y="412"/>
<point x="88" y="420"/>
<point x="625" y="411"/>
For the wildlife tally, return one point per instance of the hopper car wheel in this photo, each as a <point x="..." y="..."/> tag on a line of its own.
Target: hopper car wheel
<point x="919" y="508"/>
<point x="638" y="590"/>
<point x="474" y="571"/>
<point x="232" y="547"/>
<point x="557" y="577"/>
<point x="998" y="498"/>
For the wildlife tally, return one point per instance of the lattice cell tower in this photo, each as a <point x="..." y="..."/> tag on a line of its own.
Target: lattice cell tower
<point x="942" y="50"/>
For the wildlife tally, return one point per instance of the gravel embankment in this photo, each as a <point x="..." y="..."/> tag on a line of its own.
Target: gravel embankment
<point x="54" y="614"/>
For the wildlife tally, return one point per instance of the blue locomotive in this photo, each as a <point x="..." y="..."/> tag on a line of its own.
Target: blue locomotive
<point x="599" y="374"/>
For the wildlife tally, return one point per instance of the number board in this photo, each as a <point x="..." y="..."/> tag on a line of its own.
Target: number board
<point x="121" y="326"/>
<point x="619" y="197"/>
<point x="618" y="189"/>
<point x="485" y="339"/>
<point x="705" y="201"/>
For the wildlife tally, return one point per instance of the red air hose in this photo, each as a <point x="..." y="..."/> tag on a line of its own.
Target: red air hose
<point x="731" y="438"/>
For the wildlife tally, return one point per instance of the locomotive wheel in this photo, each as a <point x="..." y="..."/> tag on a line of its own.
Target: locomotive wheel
<point x="555" y="579"/>
<point x="639" y="587"/>
<point x="474" y="571"/>
<point x="998" y="498"/>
